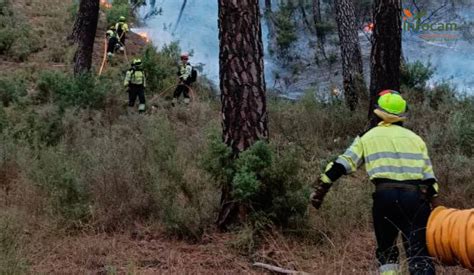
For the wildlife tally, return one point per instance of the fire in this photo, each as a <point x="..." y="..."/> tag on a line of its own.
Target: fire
<point x="144" y="36"/>
<point x="369" y="27"/>
<point x="105" y="4"/>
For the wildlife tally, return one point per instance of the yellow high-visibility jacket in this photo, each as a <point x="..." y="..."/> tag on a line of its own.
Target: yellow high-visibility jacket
<point x="185" y="71"/>
<point x="121" y="27"/>
<point x="389" y="152"/>
<point x="136" y="77"/>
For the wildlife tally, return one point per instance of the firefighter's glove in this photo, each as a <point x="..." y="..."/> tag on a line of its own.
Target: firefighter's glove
<point x="319" y="193"/>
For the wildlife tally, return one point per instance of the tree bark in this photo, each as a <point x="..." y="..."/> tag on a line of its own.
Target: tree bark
<point x="352" y="69"/>
<point x="242" y="84"/>
<point x="386" y="50"/>
<point x="241" y="74"/>
<point x="83" y="34"/>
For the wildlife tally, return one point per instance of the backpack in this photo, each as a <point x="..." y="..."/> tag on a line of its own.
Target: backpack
<point x="132" y="75"/>
<point x="194" y="75"/>
<point x="119" y="28"/>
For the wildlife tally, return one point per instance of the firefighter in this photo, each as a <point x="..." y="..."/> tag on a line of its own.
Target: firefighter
<point x="397" y="162"/>
<point x="185" y="72"/>
<point x="136" y="82"/>
<point x="112" y="41"/>
<point x="122" y="29"/>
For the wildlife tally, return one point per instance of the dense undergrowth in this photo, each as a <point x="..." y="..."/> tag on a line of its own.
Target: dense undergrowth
<point x="72" y="158"/>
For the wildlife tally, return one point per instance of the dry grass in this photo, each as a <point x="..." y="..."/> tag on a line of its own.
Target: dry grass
<point x="144" y="252"/>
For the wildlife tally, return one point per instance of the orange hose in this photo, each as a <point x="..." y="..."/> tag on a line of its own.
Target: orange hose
<point x="470" y="240"/>
<point x="125" y="53"/>
<point x="105" y="57"/>
<point x="450" y="236"/>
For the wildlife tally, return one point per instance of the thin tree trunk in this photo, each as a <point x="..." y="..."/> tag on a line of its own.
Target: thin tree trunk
<point x="301" y="5"/>
<point x="270" y="21"/>
<point x="242" y="83"/>
<point x="386" y="50"/>
<point x="317" y="13"/>
<point x="352" y="69"/>
<point x="183" y="6"/>
<point x="83" y="34"/>
<point x="317" y="18"/>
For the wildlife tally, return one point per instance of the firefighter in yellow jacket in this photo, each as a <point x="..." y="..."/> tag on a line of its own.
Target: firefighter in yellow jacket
<point x="136" y="82"/>
<point x="397" y="162"/>
<point x="121" y="28"/>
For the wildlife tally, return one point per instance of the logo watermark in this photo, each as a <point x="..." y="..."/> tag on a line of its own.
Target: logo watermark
<point x="417" y="23"/>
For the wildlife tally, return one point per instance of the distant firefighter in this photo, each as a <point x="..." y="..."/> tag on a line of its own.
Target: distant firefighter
<point x="136" y="82"/>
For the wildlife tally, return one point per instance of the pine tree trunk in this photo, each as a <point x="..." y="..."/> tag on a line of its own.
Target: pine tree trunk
<point x="242" y="84"/>
<point x="386" y="50"/>
<point x="241" y="74"/>
<point x="83" y="34"/>
<point x="352" y="69"/>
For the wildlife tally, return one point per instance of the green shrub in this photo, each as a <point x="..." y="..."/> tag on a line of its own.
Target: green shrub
<point x="65" y="90"/>
<point x="11" y="260"/>
<point x="16" y="38"/>
<point x="7" y="38"/>
<point x="286" y="28"/>
<point x="464" y="125"/>
<point x="268" y="183"/>
<point x="73" y="10"/>
<point x="55" y="172"/>
<point x="416" y="74"/>
<point x="3" y="119"/>
<point x="11" y="89"/>
<point x="7" y="30"/>
<point x="25" y="43"/>
<point x="441" y="94"/>
<point x="160" y="67"/>
<point x="119" y="8"/>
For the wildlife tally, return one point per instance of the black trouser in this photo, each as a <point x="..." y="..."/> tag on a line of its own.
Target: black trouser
<point x="396" y="210"/>
<point x="111" y="46"/>
<point x="133" y="92"/>
<point x="121" y="35"/>
<point x="181" y="89"/>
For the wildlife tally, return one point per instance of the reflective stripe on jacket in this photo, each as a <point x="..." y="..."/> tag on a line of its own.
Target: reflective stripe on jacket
<point x="185" y="71"/>
<point x="111" y="33"/>
<point x="389" y="152"/>
<point x="135" y="77"/>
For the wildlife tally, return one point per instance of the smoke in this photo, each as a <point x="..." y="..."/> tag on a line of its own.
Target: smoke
<point x="195" y="27"/>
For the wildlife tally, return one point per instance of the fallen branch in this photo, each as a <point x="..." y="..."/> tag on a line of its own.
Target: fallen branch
<point x="278" y="269"/>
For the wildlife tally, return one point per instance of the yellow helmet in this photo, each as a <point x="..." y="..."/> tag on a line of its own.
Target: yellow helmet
<point x="137" y="62"/>
<point x="122" y="18"/>
<point x="392" y="102"/>
<point x="391" y="106"/>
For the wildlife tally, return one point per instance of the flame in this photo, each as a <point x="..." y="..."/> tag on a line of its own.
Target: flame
<point x="105" y="4"/>
<point x="407" y="13"/>
<point x="369" y="27"/>
<point x="144" y="36"/>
